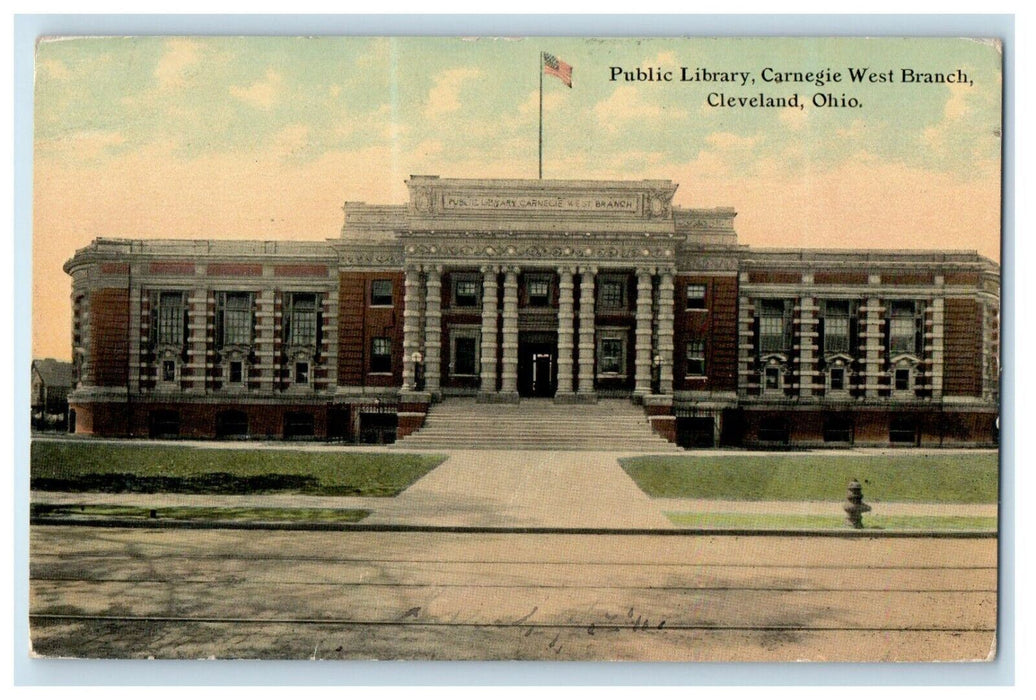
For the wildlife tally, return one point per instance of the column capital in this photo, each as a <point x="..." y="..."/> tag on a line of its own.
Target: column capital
<point x="588" y="269"/>
<point x="566" y="269"/>
<point x="646" y="271"/>
<point x="437" y="269"/>
<point x="490" y="269"/>
<point x="512" y="269"/>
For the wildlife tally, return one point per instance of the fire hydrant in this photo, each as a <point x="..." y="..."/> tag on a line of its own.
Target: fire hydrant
<point x="854" y="506"/>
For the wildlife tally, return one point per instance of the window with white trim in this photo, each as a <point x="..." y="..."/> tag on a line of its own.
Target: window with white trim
<point x="611" y="354"/>
<point x="537" y="290"/>
<point x="302" y="319"/>
<point x="170" y="318"/>
<point x="381" y="292"/>
<point x="903" y="328"/>
<point x="695" y="296"/>
<point x="611" y="293"/>
<point x="466" y="291"/>
<point x="774" y="325"/>
<point x="836" y="326"/>
<point x="381" y="355"/>
<point x="234" y="318"/>
<point x="695" y="358"/>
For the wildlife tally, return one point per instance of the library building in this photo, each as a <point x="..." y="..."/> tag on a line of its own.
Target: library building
<point x="540" y="314"/>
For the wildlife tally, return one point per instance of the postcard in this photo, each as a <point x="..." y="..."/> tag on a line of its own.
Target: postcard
<point x="528" y="348"/>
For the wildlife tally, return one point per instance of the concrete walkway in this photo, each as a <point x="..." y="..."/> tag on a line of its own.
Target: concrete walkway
<point x="525" y="489"/>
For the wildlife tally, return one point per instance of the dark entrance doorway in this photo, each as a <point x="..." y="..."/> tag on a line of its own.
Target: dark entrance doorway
<point x="537" y="364"/>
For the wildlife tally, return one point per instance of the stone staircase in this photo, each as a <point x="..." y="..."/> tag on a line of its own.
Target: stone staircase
<point x="537" y="424"/>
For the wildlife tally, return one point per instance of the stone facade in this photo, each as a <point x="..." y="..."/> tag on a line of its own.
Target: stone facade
<point x="507" y="289"/>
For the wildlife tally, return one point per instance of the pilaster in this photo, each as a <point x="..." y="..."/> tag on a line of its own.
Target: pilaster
<point x="566" y="332"/>
<point x="509" y="366"/>
<point x="411" y="323"/>
<point x="665" y="331"/>
<point x="489" y="328"/>
<point x="642" y="360"/>
<point x="587" y="327"/>
<point x="433" y="329"/>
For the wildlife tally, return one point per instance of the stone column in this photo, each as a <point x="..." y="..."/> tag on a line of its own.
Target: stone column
<point x="509" y="367"/>
<point x="642" y="361"/>
<point x="665" y="330"/>
<point x="587" y="326"/>
<point x="566" y="333"/>
<point x="411" y="323"/>
<point x="433" y="329"/>
<point x="489" y="327"/>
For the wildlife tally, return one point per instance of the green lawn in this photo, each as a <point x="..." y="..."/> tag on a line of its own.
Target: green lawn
<point x="929" y="477"/>
<point x="129" y="468"/>
<point x="268" y="515"/>
<point x="794" y="521"/>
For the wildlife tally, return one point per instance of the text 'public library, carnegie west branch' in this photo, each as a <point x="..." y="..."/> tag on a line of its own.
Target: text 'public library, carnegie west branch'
<point x="505" y="290"/>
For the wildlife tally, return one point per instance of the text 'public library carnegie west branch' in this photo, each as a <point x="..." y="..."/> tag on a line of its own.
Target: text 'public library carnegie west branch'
<point x="507" y="291"/>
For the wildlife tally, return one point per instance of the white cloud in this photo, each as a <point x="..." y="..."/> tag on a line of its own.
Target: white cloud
<point x="262" y="93"/>
<point x="627" y="104"/>
<point x="444" y="97"/>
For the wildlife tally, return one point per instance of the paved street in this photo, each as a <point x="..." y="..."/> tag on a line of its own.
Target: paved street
<point x="194" y="594"/>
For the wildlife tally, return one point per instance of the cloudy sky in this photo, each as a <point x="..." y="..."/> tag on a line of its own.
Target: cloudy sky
<point x="264" y="138"/>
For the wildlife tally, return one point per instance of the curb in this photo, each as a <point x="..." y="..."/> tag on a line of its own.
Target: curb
<point x="477" y="529"/>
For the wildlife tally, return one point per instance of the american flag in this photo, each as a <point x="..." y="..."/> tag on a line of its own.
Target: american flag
<point x="559" y="69"/>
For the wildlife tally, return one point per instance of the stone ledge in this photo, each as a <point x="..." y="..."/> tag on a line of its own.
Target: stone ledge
<point x="498" y="397"/>
<point x="575" y="398"/>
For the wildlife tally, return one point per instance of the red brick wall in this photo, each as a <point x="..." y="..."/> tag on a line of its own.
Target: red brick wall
<point x="358" y="323"/>
<point x="234" y="269"/>
<point x="962" y="363"/>
<point x="839" y="277"/>
<point x="717" y="325"/>
<point x="774" y="277"/>
<point x="109" y="336"/>
<point x="968" y="278"/>
<point x="908" y="278"/>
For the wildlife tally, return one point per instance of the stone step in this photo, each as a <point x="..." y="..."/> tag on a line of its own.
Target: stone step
<point x="610" y="424"/>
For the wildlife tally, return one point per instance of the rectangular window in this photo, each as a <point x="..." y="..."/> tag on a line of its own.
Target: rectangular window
<point x="773" y="326"/>
<point x="381" y="355"/>
<point x="902" y="379"/>
<point x="836" y="326"/>
<point x="773" y="378"/>
<point x="903" y="429"/>
<point x="464" y="350"/>
<point x="302" y="373"/>
<point x="465" y="292"/>
<point x="236" y="372"/>
<point x="838" y="379"/>
<point x="696" y="296"/>
<point x="168" y="371"/>
<point x="235" y="318"/>
<point x="538" y="290"/>
<point x="695" y="358"/>
<point x="611" y="294"/>
<point x="302" y="320"/>
<point x="610" y="356"/>
<point x="902" y="328"/>
<point x="381" y="292"/>
<point x="170" y="318"/>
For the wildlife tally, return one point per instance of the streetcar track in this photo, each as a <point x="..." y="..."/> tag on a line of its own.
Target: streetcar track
<point x="536" y="586"/>
<point x="602" y="625"/>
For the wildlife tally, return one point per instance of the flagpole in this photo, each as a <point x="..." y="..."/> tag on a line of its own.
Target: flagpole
<point x="541" y="114"/>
